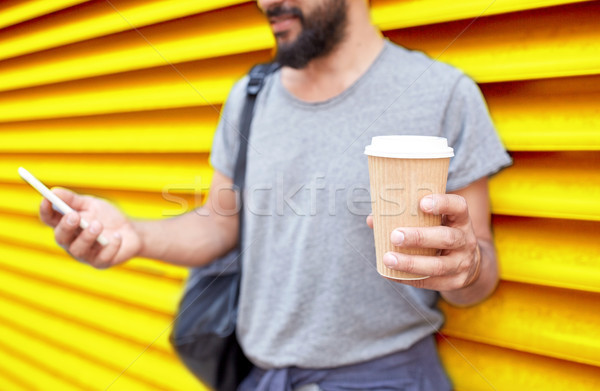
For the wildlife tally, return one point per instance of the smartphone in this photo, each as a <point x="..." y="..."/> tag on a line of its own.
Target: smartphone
<point x="58" y="204"/>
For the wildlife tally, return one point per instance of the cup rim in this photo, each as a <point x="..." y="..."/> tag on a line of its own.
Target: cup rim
<point x="409" y="147"/>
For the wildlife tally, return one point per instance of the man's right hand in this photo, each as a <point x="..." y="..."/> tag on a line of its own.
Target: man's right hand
<point x="103" y="218"/>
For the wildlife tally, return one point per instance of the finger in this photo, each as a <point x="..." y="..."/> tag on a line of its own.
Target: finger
<point x="370" y="220"/>
<point x="48" y="215"/>
<point x="66" y="230"/>
<point x="452" y="205"/>
<point x="83" y="245"/>
<point x="433" y="283"/>
<point x="71" y="198"/>
<point x="418" y="264"/>
<point x="107" y="255"/>
<point x="439" y="237"/>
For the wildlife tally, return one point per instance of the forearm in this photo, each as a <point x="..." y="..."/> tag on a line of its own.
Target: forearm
<point x="192" y="239"/>
<point x="484" y="285"/>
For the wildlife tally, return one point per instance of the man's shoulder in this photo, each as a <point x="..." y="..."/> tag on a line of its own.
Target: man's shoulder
<point x="419" y="67"/>
<point x="237" y="93"/>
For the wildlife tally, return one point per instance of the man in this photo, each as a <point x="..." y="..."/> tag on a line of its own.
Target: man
<point x="314" y="314"/>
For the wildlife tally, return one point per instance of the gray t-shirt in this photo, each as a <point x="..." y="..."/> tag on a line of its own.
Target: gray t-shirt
<point x="311" y="296"/>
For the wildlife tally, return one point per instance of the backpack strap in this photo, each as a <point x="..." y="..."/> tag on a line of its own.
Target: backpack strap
<point x="257" y="74"/>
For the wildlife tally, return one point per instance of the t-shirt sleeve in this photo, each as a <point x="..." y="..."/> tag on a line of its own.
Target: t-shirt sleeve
<point x="226" y="141"/>
<point x="478" y="151"/>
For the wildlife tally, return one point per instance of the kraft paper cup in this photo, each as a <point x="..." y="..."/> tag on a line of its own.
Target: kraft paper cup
<point x="402" y="170"/>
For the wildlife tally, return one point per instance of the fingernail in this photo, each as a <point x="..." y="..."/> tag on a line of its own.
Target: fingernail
<point x="72" y="219"/>
<point x="397" y="237"/>
<point x="95" y="228"/>
<point x="117" y="236"/>
<point x="427" y="203"/>
<point x="390" y="260"/>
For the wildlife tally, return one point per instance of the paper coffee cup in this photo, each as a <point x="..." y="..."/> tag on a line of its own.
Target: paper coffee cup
<point x="402" y="170"/>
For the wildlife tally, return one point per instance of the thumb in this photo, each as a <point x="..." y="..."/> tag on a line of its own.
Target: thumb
<point x="74" y="200"/>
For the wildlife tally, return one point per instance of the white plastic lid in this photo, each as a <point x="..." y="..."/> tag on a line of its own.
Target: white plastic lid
<point x="409" y="147"/>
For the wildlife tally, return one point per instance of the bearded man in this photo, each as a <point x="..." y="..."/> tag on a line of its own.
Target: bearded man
<point x="314" y="314"/>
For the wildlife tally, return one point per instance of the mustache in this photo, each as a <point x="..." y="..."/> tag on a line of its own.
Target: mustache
<point x="282" y="10"/>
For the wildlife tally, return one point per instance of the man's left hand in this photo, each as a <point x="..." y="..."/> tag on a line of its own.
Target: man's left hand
<point x="457" y="264"/>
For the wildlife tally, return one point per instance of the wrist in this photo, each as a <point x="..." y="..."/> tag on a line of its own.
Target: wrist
<point x="140" y="229"/>
<point x="483" y="282"/>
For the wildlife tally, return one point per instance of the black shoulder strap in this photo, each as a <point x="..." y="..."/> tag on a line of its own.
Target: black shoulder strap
<point x="257" y="74"/>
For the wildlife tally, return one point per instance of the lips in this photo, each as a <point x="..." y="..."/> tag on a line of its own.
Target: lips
<point x="282" y="23"/>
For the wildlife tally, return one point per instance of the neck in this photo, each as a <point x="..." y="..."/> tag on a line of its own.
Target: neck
<point x="328" y="76"/>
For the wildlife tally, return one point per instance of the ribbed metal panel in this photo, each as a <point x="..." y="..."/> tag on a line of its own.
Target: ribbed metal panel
<point x="121" y="98"/>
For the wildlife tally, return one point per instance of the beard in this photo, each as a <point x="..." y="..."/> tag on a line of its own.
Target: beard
<point x="322" y="30"/>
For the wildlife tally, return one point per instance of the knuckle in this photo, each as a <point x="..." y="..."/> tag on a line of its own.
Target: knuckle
<point x="464" y="266"/>
<point x="448" y="238"/>
<point x="443" y="201"/>
<point x="80" y="248"/>
<point x="105" y="258"/>
<point x="460" y="240"/>
<point x="439" y="267"/>
<point x="418" y="238"/>
<point x="409" y="264"/>
<point x="45" y="217"/>
<point x="101" y="259"/>
<point x="61" y="237"/>
<point x="76" y="252"/>
<point x="471" y="244"/>
<point x="461" y="205"/>
<point x="87" y="238"/>
<point x="463" y="241"/>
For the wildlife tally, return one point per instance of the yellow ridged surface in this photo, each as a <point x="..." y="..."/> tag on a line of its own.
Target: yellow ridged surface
<point x="550" y="184"/>
<point x="193" y="84"/>
<point x="547" y="115"/>
<point x="391" y="14"/>
<point x="95" y="19"/>
<point x="99" y="19"/>
<point x="481" y="367"/>
<point x="96" y="346"/>
<point x="144" y="132"/>
<point x="18" y="372"/>
<point x="114" y="284"/>
<point x="51" y="358"/>
<point x="130" y="322"/>
<point x="7" y="380"/>
<point x="13" y="11"/>
<point x="167" y="43"/>
<point x="552" y="322"/>
<point x="541" y="251"/>
<point x="120" y="99"/>
<point x="552" y="42"/>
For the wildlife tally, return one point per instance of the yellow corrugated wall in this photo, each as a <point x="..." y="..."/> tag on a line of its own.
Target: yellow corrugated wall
<point x="120" y="98"/>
